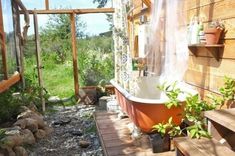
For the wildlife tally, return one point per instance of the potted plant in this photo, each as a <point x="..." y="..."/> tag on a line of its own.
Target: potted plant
<point x="212" y="34"/>
<point x="193" y="110"/>
<point x="161" y="140"/>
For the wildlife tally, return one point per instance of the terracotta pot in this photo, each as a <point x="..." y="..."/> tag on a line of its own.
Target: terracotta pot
<point x="212" y="35"/>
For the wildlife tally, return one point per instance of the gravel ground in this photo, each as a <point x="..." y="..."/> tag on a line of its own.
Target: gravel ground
<point x="74" y="134"/>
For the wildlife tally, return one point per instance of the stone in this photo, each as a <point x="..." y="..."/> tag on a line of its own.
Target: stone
<point x="3" y="152"/>
<point x="20" y="151"/>
<point x="11" y="141"/>
<point x="31" y="124"/>
<point x="48" y="130"/>
<point x="62" y="122"/>
<point x="84" y="144"/>
<point x="54" y="99"/>
<point x="35" y="116"/>
<point x="21" y="123"/>
<point x="10" y="152"/>
<point x="40" y="134"/>
<point x="28" y="137"/>
<point x="76" y="132"/>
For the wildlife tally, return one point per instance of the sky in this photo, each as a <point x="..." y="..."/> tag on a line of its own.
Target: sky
<point x="96" y="23"/>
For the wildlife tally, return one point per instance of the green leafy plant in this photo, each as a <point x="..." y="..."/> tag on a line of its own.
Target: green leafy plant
<point x="218" y="24"/>
<point x="193" y="113"/>
<point x="198" y="130"/>
<point x="227" y="92"/>
<point x="167" y="128"/>
<point x="172" y="92"/>
<point x="193" y="109"/>
<point x="2" y="136"/>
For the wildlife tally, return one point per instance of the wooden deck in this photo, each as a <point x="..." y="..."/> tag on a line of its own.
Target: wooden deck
<point x="116" y="139"/>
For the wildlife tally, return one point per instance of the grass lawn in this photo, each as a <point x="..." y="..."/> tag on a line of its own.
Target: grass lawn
<point x="58" y="78"/>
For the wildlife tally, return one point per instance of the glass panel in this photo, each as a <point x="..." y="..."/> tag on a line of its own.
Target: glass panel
<point x="10" y="36"/>
<point x="75" y="4"/>
<point x="34" y="4"/>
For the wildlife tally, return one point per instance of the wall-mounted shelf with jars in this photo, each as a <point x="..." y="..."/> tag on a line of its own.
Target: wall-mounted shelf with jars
<point x="213" y="49"/>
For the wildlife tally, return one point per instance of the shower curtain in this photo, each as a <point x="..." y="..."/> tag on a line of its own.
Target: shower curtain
<point x="168" y="53"/>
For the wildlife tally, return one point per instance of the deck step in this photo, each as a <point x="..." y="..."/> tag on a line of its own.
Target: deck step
<point x="201" y="147"/>
<point x="224" y="117"/>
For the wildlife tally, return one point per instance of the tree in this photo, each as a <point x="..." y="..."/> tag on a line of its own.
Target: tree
<point x="56" y="36"/>
<point x="101" y="3"/>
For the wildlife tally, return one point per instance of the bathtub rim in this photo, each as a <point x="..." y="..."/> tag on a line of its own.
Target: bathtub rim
<point x="133" y="98"/>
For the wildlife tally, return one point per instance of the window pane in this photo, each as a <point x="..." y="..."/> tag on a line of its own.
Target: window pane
<point x="10" y="36"/>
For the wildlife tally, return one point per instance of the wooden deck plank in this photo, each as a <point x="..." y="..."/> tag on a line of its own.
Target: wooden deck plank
<point x="116" y="138"/>
<point x="202" y="147"/>
<point x="224" y="117"/>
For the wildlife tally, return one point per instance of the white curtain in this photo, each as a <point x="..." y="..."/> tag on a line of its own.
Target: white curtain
<point x="168" y="52"/>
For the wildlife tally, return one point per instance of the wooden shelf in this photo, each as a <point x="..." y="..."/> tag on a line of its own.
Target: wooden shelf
<point x="214" y="49"/>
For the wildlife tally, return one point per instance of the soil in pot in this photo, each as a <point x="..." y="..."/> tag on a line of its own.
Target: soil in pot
<point x="212" y="35"/>
<point x="160" y="144"/>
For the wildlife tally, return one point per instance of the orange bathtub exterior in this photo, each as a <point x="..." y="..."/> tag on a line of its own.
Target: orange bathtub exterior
<point x="146" y="115"/>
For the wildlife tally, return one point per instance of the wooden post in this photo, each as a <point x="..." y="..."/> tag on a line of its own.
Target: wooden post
<point x="39" y="64"/>
<point x="74" y="50"/>
<point x="3" y="44"/>
<point x="47" y="4"/>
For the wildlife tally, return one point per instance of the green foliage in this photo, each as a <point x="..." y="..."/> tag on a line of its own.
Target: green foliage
<point x="2" y="136"/>
<point x="172" y="92"/>
<point x="192" y="112"/>
<point x="15" y="97"/>
<point x="228" y="90"/>
<point x="56" y="36"/>
<point x="95" y="60"/>
<point x="194" y="108"/>
<point x="198" y="130"/>
<point x="101" y="3"/>
<point x="167" y="128"/>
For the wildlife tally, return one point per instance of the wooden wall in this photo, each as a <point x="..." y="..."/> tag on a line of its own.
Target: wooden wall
<point x="204" y="71"/>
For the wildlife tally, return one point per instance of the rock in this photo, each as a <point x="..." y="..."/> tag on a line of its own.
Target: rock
<point x="28" y="137"/>
<point x="40" y="134"/>
<point x="62" y="122"/>
<point x="10" y="152"/>
<point x="20" y="151"/>
<point x="31" y="124"/>
<point x="84" y="144"/>
<point x="76" y="132"/>
<point x="29" y="113"/>
<point x="3" y="152"/>
<point x="21" y="123"/>
<point x="54" y="99"/>
<point x="48" y="130"/>
<point x="11" y="141"/>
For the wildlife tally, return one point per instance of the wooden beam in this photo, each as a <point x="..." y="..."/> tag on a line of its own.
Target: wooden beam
<point x="72" y="11"/>
<point x="74" y="50"/>
<point x="47" y="4"/>
<point x="3" y="44"/>
<point x="147" y="3"/>
<point x="39" y="63"/>
<point x="6" y="84"/>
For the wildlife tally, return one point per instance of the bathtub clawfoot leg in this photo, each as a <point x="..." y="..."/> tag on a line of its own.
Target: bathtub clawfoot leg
<point x="135" y="131"/>
<point x="121" y="114"/>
